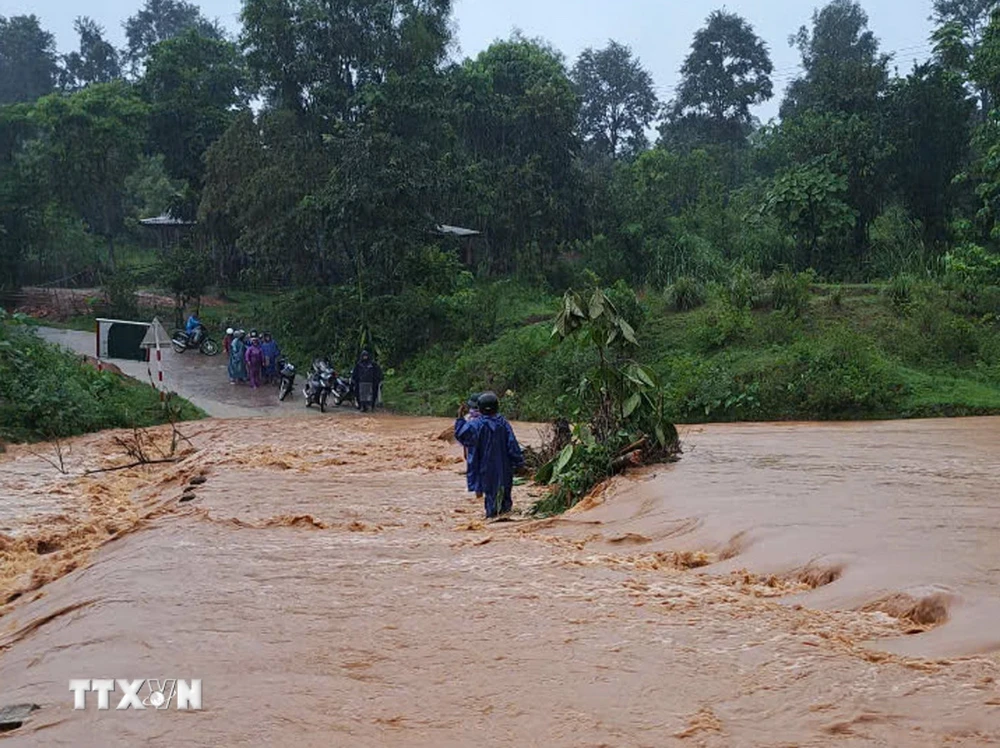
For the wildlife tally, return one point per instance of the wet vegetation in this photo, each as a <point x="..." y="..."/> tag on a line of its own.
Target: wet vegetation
<point x="839" y="261"/>
<point x="45" y="392"/>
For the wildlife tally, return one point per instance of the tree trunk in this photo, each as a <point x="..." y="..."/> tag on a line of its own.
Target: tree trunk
<point x="111" y="253"/>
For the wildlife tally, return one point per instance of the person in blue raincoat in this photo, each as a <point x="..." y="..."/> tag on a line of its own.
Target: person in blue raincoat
<point x="495" y="453"/>
<point x="269" y="346"/>
<point x="194" y="329"/>
<point x="470" y="476"/>
<point x="237" y="364"/>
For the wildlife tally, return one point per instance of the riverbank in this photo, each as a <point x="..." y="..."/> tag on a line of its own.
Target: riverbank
<point x="330" y="577"/>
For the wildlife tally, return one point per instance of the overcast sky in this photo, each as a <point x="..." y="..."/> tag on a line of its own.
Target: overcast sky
<point x="659" y="31"/>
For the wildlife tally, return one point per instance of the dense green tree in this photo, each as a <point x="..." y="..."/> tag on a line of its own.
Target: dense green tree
<point x="318" y="55"/>
<point x="96" y="62"/>
<point x="809" y="200"/>
<point x="159" y="20"/>
<point x="727" y="72"/>
<point x="617" y="101"/>
<point x="28" y="63"/>
<point x="971" y="16"/>
<point x="844" y="70"/>
<point x="92" y="141"/>
<point x="930" y="127"/>
<point x="194" y="85"/>
<point x="517" y="125"/>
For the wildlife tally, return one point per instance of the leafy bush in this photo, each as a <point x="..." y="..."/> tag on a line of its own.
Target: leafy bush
<point x="900" y="291"/>
<point x="790" y="292"/>
<point x="746" y="290"/>
<point x="897" y="246"/>
<point x="686" y="294"/>
<point x="47" y="393"/>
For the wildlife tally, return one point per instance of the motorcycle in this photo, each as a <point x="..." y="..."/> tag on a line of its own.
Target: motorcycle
<point x="319" y="385"/>
<point x="287" y="374"/>
<point x="343" y="389"/>
<point x="182" y="341"/>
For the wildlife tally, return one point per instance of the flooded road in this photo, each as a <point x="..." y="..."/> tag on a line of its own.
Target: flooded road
<point x="331" y="584"/>
<point x="202" y="380"/>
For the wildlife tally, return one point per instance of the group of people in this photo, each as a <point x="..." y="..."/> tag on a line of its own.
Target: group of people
<point x="492" y="453"/>
<point x="253" y="358"/>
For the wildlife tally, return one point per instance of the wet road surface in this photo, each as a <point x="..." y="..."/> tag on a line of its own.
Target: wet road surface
<point x="331" y="584"/>
<point x="203" y="380"/>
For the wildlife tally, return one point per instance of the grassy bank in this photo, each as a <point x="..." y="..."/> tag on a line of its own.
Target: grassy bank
<point x="46" y="392"/>
<point x="749" y="350"/>
<point x="832" y="353"/>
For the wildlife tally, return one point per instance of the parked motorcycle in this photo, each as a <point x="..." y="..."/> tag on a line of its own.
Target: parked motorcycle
<point x="182" y="341"/>
<point x="319" y="385"/>
<point x="343" y="390"/>
<point x="287" y="373"/>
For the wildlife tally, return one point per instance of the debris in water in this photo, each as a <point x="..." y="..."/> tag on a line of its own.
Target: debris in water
<point x="13" y="716"/>
<point x="198" y="480"/>
<point x="189" y="496"/>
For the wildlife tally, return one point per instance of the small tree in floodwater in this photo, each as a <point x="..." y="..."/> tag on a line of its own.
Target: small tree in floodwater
<point x="620" y="420"/>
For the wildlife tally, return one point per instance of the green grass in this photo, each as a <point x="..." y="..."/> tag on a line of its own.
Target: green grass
<point x="853" y="354"/>
<point x="844" y="352"/>
<point x="46" y="392"/>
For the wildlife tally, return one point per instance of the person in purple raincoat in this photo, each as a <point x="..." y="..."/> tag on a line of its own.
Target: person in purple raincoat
<point x="255" y="362"/>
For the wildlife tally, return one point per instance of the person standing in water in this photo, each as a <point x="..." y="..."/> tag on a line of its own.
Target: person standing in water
<point x="255" y="362"/>
<point x="495" y="453"/>
<point x="470" y="477"/>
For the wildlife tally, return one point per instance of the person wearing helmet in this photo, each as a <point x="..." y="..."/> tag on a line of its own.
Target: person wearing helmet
<point x="470" y="477"/>
<point x="496" y="453"/>
<point x="227" y="341"/>
<point x="366" y="377"/>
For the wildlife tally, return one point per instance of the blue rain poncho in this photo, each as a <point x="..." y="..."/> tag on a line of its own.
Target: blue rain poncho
<point x="495" y="455"/>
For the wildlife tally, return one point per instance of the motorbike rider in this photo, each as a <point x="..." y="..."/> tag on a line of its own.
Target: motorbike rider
<point x="366" y="378"/>
<point x="194" y="329"/>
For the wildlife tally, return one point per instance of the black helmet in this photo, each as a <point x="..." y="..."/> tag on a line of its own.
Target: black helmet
<point x="365" y="355"/>
<point x="253" y="333"/>
<point x="473" y="402"/>
<point x="489" y="403"/>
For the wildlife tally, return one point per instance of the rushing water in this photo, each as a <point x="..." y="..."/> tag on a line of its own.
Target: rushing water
<point x="331" y="584"/>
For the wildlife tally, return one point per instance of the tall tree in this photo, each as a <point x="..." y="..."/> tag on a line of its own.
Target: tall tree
<point x="727" y="72"/>
<point x="96" y="62"/>
<point x="844" y="70"/>
<point x="195" y="86"/>
<point x="159" y="20"/>
<point x="28" y="63"/>
<point x="972" y="16"/>
<point x="930" y="126"/>
<point x="517" y="120"/>
<point x="617" y="101"/>
<point x="93" y="140"/>
<point x="317" y="55"/>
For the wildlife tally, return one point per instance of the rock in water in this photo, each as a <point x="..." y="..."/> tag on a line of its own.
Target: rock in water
<point x="13" y="716"/>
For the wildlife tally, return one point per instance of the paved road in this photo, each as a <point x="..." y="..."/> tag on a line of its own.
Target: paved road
<point x="198" y="378"/>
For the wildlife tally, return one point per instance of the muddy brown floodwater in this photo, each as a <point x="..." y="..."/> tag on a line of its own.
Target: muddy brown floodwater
<point x="331" y="584"/>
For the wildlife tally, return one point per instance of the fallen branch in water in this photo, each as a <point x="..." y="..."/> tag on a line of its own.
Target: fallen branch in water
<point x="131" y="465"/>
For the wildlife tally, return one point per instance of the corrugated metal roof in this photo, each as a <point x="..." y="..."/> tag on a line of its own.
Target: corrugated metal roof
<point x="456" y="231"/>
<point x="165" y="220"/>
